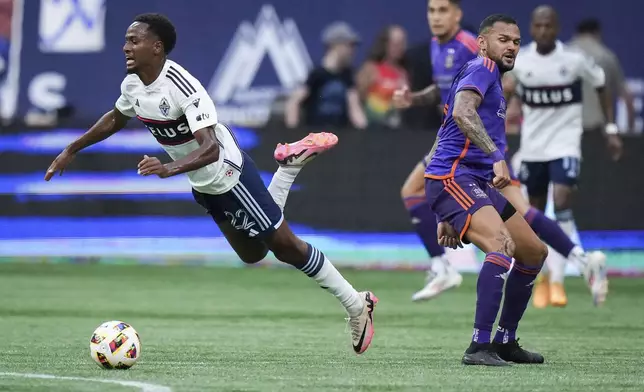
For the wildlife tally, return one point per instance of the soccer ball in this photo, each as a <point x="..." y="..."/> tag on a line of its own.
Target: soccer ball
<point x="115" y="345"/>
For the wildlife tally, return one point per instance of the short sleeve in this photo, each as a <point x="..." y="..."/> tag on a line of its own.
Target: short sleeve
<point x="312" y="80"/>
<point x="124" y="106"/>
<point x="478" y="77"/>
<point x="615" y="73"/>
<point x="193" y="99"/>
<point x="591" y="72"/>
<point x="349" y="79"/>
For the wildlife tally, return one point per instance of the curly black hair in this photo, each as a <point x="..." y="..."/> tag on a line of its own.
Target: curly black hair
<point x="161" y="26"/>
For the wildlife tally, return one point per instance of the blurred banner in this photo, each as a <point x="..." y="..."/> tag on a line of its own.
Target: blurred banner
<point x="346" y="202"/>
<point x="67" y="53"/>
<point x="353" y="188"/>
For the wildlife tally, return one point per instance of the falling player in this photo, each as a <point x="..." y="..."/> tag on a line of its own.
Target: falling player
<point x="451" y="48"/>
<point x="466" y="169"/>
<point x="176" y="109"/>
<point x="548" y="78"/>
<point x="444" y="16"/>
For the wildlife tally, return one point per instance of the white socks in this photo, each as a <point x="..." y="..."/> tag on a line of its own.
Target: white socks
<point x="322" y="271"/>
<point x="331" y="279"/>
<point x="318" y="267"/>
<point x="281" y="184"/>
<point x="556" y="266"/>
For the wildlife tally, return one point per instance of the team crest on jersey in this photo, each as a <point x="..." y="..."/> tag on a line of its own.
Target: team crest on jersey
<point x="449" y="60"/>
<point x="164" y="106"/>
<point x="502" y="107"/>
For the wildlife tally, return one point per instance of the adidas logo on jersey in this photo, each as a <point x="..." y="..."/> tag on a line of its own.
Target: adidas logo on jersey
<point x="230" y="88"/>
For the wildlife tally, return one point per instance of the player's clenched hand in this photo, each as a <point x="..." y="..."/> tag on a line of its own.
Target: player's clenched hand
<point x="615" y="147"/>
<point x="447" y="236"/>
<point x="402" y="98"/>
<point x="501" y="175"/>
<point x="151" y="165"/>
<point x="59" y="164"/>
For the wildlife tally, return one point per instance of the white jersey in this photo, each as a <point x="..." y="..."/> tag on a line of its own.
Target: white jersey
<point x="175" y="106"/>
<point x="550" y="87"/>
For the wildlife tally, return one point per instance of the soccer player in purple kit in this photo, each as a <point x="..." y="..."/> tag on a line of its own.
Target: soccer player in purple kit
<point x="466" y="170"/>
<point x="451" y="48"/>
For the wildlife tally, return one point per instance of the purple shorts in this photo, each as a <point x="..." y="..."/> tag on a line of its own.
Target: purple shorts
<point x="455" y="200"/>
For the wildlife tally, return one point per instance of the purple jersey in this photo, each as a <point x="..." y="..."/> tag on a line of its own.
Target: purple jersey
<point x="449" y="58"/>
<point x="455" y="154"/>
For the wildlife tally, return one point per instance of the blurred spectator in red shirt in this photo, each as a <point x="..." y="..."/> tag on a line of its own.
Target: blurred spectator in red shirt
<point x="383" y="73"/>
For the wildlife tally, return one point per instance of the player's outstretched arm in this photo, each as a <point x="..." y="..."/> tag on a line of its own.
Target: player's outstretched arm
<point x="205" y="154"/>
<point x="428" y="96"/>
<point x="403" y="98"/>
<point x="111" y="122"/>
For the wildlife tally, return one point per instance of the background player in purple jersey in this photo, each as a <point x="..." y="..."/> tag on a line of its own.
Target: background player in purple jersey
<point x="451" y="48"/>
<point x="466" y="169"/>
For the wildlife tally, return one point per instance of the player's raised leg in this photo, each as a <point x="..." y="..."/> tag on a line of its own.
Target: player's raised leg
<point x="251" y="209"/>
<point x="291" y="158"/>
<point x="441" y="276"/>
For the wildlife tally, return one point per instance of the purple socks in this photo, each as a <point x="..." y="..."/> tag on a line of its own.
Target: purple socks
<point x="549" y="231"/>
<point x="489" y="292"/>
<point x="518" y="291"/>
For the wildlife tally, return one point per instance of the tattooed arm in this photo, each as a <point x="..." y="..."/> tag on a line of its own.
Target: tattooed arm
<point x="465" y="104"/>
<point x="433" y="150"/>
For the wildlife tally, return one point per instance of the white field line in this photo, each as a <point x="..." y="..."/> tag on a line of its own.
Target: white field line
<point x="144" y="387"/>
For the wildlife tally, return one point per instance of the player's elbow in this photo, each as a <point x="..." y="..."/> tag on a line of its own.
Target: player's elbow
<point x="461" y="115"/>
<point x="210" y="153"/>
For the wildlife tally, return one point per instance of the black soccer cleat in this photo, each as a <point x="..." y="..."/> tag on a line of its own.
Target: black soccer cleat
<point x="482" y="354"/>
<point x="513" y="352"/>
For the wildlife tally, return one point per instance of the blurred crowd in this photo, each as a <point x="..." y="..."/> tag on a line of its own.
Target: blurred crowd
<point x="338" y="94"/>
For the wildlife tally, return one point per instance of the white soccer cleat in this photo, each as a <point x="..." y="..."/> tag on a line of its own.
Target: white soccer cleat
<point x="595" y="275"/>
<point x="302" y="151"/>
<point x="361" y="326"/>
<point x="439" y="279"/>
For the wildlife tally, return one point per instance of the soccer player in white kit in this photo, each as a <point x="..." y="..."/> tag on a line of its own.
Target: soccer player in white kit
<point x="178" y="112"/>
<point x="547" y="78"/>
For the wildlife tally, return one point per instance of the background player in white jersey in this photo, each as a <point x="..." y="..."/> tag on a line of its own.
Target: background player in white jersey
<point x="176" y="109"/>
<point x="547" y="78"/>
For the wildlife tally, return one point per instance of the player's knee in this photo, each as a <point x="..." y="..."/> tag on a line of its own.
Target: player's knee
<point x="543" y="253"/>
<point x="536" y="255"/>
<point x="254" y="256"/>
<point x="508" y="246"/>
<point x="411" y="190"/>
<point x="561" y="203"/>
<point x="502" y="243"/>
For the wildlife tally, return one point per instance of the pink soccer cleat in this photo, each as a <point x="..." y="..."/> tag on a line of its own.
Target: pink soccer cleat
<point x="302" y="151"/>
<point x="362" y="325"/>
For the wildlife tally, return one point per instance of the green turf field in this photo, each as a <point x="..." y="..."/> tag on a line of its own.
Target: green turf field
<point x="216" y="329"/>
